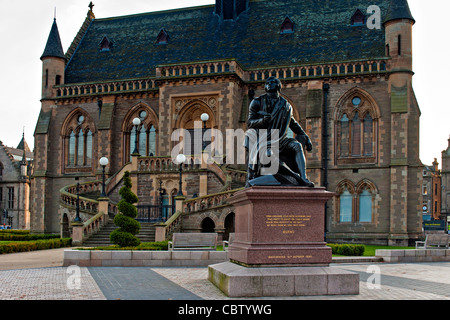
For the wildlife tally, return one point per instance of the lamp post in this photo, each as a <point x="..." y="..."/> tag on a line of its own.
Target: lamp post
<point x="77" y="217"/>
<point x="103" y="162"/>
<point x="181" y="158"/>
<point x="136" y="123"/>
<point x="205" y="118"/>
<point x="161" y="209"/>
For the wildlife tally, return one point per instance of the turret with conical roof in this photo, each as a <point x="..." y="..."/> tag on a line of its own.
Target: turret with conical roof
<point x="54" y="62"/>
<point x="399" y="10"/>
<point x="398" y="27"/>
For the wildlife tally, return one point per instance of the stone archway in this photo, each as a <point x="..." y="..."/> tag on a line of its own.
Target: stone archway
<point x="229" y="225"/>
<point x="208" y="225"/>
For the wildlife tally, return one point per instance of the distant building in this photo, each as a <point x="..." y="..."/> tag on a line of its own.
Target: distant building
<point x="15" y="172"/>
<point x="431" y="191"/>
<point x="445" y="178"/>
<point x="350" y="87"/>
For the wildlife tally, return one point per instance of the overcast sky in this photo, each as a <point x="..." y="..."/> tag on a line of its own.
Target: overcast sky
<point x="25" y="26"/>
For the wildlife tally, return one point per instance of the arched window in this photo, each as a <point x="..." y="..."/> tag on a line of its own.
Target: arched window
<point x="356" y="204"/>
<point x="344" y="136"/>
<point x="146" y="140"/>
<point x="356" y="127"/>
<point x="146" y="133"/>
<point x="365" y="206"/>
<point x="346" y="206"/>
<point x="72" y="144"/>
<point x="77" y="133"/>
<point x="368" y="135"/>
<point x="356" y="136"/>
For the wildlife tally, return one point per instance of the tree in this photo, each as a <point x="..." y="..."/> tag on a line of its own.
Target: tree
<point x="125" y="220"/>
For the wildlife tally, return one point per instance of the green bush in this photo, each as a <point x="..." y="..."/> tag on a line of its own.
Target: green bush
<point x="9" y="231"/>
<point x="124" y="239"/>
<point x="148" y="246"/>
<point x="126" y="224"/>
<point x="347" y="249"/>
<point x="22" y="246"/>
<point x="26" y="236"/>
<point x="125" y="220"/>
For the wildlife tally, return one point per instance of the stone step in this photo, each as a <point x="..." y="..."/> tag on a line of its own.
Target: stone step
<point x="147" y="234"/>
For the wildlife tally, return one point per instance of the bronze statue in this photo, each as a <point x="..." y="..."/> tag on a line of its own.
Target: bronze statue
<point x="270" y="117"/>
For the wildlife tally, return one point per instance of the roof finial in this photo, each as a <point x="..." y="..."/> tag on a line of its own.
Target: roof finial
<point x="91" y="14"/>
<point x="55" y="14"/>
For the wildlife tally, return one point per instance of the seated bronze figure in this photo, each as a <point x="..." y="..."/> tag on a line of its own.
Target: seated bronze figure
<point x="270" y="117"/>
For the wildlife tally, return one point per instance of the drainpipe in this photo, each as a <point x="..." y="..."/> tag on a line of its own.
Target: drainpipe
<point x="325" y="138"/>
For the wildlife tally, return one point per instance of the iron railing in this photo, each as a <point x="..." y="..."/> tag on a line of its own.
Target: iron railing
<point x="154" y="213"/>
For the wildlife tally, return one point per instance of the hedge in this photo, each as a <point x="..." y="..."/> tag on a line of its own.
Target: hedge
<point x="12" y="231"/>
<point x="14" y="247"/>
<point x="347" y="249"/>
<point x="27" y="237"/>
<point x="144" y="246"/>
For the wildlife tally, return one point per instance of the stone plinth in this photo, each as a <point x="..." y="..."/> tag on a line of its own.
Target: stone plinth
<point x="279" y="247"/>
<point x="280" y="226"/>
<point x="239" y="281"/>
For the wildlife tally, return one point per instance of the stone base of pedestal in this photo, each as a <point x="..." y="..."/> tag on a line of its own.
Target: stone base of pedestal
<point x="238" y="281"/>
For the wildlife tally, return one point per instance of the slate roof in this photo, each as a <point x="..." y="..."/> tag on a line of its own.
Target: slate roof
<point x="54" y="47"/>
<point x="399" y="9"/>
<point x="323" y="34"/>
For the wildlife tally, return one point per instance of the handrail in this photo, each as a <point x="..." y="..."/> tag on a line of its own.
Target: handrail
<point x="173" y="224"/>
<point x="208" y="201"/>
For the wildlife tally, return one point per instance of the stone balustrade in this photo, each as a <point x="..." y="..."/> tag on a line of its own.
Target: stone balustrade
<point x="124" y="86"/>
<point x="322" y="70"/>
<point x="209" y="68"/>
<point x="208" y="202"/>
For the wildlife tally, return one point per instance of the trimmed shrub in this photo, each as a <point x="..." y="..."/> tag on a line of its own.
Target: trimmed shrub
<point x="20" y="246"/>
<point x="27" y="236"/>
<point x="125" y="220"/>
<point x="347" y="249"/>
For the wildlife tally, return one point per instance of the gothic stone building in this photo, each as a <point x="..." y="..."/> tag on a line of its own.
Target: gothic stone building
<point x="15" y="172"/>
<point x="349" y="82"/>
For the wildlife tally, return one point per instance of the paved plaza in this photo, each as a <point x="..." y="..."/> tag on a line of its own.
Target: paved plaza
<point x="40" y="276"/>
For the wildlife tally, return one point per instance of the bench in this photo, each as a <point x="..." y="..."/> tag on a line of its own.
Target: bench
<point x="227" y="243"/>
<point x="193" y="241"/>
<point x="435" y="240"/>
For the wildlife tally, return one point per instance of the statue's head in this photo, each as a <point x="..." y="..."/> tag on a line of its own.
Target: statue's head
<point x="273" y="84"/>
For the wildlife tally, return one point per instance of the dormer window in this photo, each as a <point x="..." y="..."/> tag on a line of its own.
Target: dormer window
<point x="287" y="26"/>
<point x="163" y="37"/>
<point x="358" y="19"/>
<point x="106" y="45"/>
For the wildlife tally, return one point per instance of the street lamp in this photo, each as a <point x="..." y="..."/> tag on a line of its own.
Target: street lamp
<point x="104" y="162"/>
<point x="136" y="123"/>
<point x="181" y="158"/>
<point x="77" y="217"/>
<point x="205" y="118"/>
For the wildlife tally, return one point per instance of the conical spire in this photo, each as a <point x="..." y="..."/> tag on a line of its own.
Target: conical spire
<point x="54" y="46"/>
<point x="23" y="145"/>
<point x="399" y="9"/>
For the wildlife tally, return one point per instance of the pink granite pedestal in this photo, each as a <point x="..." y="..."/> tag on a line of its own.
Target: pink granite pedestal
<point x="279" y="244"/>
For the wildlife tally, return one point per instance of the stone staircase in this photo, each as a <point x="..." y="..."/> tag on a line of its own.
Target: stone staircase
<point x="101" y="238"/>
